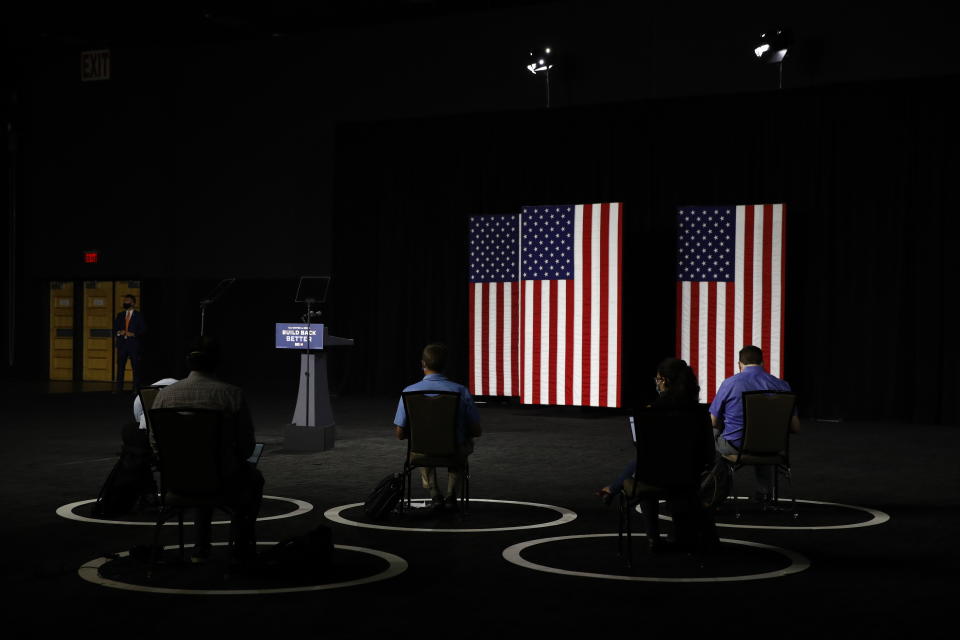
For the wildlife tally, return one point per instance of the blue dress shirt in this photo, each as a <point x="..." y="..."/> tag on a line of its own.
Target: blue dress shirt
<point x="728" y="405"/>
<point x="439" y="382"/>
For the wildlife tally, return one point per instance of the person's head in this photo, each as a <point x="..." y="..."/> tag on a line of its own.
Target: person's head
<point x="129" y="301"/>
<point x="675" y="378"/>
<point x="750" y="356"/>
<point x="434" y="358"/>
<point x="203" y="355"/>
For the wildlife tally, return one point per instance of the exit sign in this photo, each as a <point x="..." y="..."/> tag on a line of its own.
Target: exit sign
<point x="95" y="65"/>
<point x="91" y="256"/>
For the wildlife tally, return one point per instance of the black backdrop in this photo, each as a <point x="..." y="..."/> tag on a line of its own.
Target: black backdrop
<point x="867" y="172"/>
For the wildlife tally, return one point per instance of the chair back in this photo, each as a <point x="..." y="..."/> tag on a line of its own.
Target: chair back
<point x="432" y="420"/>
<point x="766" y="421"/>
<point x="190" y="450"/>
<point x="673" y="445"/>
<point x="147" y="396"/>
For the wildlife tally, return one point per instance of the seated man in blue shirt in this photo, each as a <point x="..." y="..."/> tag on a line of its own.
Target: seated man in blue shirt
<point x="433" y="361"/>
<point x="726" y="410"/>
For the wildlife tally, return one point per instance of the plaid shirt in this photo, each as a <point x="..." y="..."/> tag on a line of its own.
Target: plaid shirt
<point x="202" y="390"/>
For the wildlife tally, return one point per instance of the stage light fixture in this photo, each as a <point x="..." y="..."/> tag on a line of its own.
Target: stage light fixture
<point x="772" y="49"/>
<point x="540" y="63"/>
<point x="773" y="45"/>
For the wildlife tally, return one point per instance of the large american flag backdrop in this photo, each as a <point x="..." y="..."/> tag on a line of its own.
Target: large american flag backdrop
<point x="545" y="299"/>
<point x="730" y="288"/>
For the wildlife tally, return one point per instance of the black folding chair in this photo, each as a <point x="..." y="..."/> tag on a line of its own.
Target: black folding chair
<point x="766" y="437"/>
<point x="190" y="460"/>
<point x="432" y="432"/>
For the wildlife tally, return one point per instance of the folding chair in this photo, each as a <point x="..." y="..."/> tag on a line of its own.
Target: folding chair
<point x="432" y="430"/>
<point x="766" y="437"/>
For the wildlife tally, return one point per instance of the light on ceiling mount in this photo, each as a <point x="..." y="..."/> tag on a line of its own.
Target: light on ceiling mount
<point x="540" y="62"/>
<point x="772" y="48"/>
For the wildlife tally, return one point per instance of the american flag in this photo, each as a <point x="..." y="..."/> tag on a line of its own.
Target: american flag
<point x="571" y="278"/>
<point x="561" y="305"/>
<point x="730" y="288"/>
<point x="494" y="305"/>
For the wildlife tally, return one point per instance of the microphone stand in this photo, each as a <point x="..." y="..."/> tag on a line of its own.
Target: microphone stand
<point x="218" y="291"/>
<point x="306" y="372"/>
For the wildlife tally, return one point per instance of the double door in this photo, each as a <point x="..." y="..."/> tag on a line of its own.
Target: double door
<point x="81" y="328"/>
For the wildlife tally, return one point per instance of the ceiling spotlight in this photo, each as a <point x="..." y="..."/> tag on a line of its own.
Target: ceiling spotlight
<point x="773" y="45"/>
<point x="772" y="48"/>
<point x="540" y="62"/>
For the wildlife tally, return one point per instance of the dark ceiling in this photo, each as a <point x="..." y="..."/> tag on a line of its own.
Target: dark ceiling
<point x="28" y="25"/>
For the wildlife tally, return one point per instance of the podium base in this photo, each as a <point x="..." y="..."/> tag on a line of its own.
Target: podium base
<point x="300" y="438"/>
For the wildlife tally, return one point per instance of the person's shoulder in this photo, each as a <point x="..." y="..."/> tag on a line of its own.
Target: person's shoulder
<point x="416" y="386"/>
<point x="225" y="387"/>
<point x="783" y="384"/>
<point x="728" y="382"/>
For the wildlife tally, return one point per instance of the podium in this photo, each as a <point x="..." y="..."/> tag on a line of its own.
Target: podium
<point x="312" y="427"/>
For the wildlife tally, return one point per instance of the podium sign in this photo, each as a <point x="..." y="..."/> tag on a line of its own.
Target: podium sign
<point x="299" y="336"/>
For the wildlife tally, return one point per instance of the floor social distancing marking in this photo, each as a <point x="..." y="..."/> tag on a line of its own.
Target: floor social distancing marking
<point x="566" y="515"/>
<point x="68" y="511"/>
<point x="395" y="566"/>
<point x="513" y="555"/>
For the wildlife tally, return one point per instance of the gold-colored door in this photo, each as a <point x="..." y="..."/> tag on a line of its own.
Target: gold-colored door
<point x="61" y="330"/>
<point x="98" y="330"/>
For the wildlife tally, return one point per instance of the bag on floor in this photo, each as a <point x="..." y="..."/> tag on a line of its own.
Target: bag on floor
<point x="384" y="497"/>
<point x="715" y="484"/>
<point x="308" y="555"/>
<point x="130" y="480"/>
<point x="118" y="494"/>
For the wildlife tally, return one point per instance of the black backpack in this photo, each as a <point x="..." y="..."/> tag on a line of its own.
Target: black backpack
<point x="384" y="497"/>
<point x="131" y="478"/>
<point x="308" y="556"/>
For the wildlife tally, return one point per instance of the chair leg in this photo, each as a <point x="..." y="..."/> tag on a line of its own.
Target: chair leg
<point x="620" y="526"/>
<point x="793" y="496"/>
<point x="405" y="489"/>
<point x="733" y="494"/>
<point x="180" y="530"/>
<point x="156" y="549"/>
<point x="232" y="537"/>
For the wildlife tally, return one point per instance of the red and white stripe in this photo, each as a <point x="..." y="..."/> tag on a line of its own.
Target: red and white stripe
<point x="571" y="329"/>
<point x="494" y="331"/>
<point x="716" y="319"/>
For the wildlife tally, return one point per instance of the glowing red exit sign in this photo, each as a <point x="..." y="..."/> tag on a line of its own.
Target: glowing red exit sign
<point x="91" y="257"/>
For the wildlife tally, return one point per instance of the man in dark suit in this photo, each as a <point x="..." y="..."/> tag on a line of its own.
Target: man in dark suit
<point x="129" y="327"/>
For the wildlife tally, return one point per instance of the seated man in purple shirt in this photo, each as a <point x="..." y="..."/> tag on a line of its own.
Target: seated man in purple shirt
<point x="433" y="361"/>
<point x="726" y="410"/>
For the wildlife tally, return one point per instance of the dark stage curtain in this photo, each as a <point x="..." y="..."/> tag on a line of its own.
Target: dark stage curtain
<point x="867" y="173"/>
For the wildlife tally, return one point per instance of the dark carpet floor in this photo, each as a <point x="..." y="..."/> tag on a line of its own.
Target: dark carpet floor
<point x="881" y="579"/>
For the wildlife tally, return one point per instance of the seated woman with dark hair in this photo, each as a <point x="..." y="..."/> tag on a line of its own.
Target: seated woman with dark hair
<point x="679" y="456"/>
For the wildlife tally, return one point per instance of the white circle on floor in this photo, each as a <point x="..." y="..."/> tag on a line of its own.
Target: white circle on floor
<point x="395" y="566"/>
<point x="67" y="511"/>
<point x="876" y="517"/>
<point x="566" y="515"/>
<point x="797" y="562"/>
